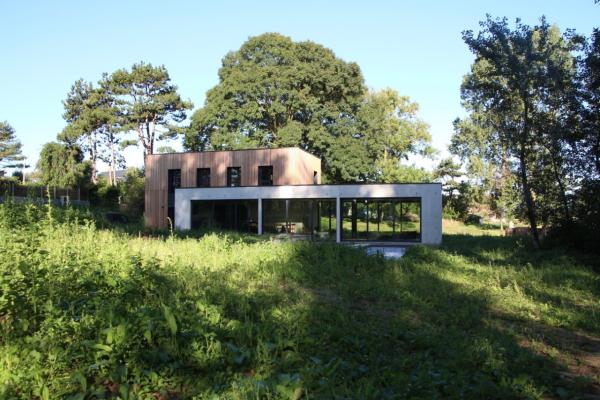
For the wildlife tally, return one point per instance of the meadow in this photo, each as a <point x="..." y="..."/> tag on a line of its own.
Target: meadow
<point x="88" y="311"/>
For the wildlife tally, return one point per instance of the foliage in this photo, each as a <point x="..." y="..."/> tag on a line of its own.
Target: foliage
<point x="457" y="197"/>
<point x="149" y="103"/>
<point x="105" y="195"/>
<point x="519" y="91"/>
<point x="62" y="165"/>
<point x="10" y="147"/>
<point x="94" y="123"/>
<point x="89" y="313"/>
<point x="132" y="191"/>
<point x="390" y="170"/>
<point x="274" y="92"/>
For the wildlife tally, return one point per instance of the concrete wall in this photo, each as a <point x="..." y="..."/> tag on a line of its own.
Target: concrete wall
<point x="430" y="194"/>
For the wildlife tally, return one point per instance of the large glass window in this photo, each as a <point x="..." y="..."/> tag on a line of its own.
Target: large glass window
<point x="265" y="175"/>
<point x="381" y="219"/>
<point x="235" y="215"/>
<point x="275" y="216"/>
<point x="300" y="217"/>
<point x="326" y="221"/>
<point x="203" y="177"/>
<point x="234" y="176"/>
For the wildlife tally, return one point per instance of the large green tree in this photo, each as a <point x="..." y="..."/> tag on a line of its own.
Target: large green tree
<point x="275" y="92"/>
<point x="10" y="147"/>
<point x="62" y="165"/>
<point x="95" y="123"/>
<point x="149" y="103"/>
<point x="508" y="86"/>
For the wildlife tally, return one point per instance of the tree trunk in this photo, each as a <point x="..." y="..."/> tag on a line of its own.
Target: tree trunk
<point x="92" y="151"/>
<point x="529" y="203"/>
<point x="528" y="197"/>
<point x="561" y="187"/>
<point x="113" y="170"/>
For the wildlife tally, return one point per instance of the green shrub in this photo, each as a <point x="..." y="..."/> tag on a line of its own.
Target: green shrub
<point x="91" y="313"/>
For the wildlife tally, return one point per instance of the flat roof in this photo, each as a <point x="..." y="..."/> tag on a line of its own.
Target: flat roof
<point x="313" y="184"/>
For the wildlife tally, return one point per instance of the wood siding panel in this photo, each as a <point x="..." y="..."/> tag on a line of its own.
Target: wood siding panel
<point x="291" y="166"/>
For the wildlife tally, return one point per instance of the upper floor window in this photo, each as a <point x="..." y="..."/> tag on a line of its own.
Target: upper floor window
<point x="265" y="175"/>
<point x="203" y="177"/>
<point x="234" y="176"/>
<point x="174" y="180"/>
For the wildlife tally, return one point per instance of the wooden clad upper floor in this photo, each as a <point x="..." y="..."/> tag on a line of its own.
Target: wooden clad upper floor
<point x="291" y="166"/>
<point x="284" y="166"/>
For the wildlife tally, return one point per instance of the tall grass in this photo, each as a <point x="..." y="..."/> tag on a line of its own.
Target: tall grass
<point x="96" y="313"/>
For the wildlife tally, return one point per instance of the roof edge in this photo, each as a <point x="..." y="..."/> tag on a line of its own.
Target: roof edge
<point x="232" y="150"/>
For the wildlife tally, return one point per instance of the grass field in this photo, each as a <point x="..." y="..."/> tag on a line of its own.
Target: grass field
<point x="95" y="313"/>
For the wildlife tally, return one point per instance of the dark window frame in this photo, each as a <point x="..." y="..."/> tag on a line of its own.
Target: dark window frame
<point x="269" y="180"/>
<point x="200" y="176"/>
<point x="171" y="178"/>
<point x="230" y="182"/>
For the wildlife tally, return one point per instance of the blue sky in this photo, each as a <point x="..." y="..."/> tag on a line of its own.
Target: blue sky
<point x="414" y="47"/>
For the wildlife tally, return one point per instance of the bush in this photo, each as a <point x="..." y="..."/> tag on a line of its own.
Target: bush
<point x="473" y="219"/>
<point x="132" y="192"/>
<point x="104" y="195"/>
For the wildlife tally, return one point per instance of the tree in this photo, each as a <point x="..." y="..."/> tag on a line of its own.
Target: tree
<point x="62" y="165"/>
<point x="588" y="149"/>
<point x="94" y="123"/>
<point x="10" y="147"/>
<point x="274" y="92"/>
<point x="132" y="191"/>
<point x="507" y="85"/>
<point x="148" y="102"/>
<point x="392" y="132"/>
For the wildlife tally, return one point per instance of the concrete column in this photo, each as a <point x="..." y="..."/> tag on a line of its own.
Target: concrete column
<point x="338" y="220"/>
<point x="260" y="217"/>
<point x="183" y="214"/>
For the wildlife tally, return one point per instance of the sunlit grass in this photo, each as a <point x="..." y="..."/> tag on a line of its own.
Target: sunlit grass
<point x="97" y="313"/>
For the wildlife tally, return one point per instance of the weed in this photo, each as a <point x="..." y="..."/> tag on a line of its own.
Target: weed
<point x="87" y="312"/>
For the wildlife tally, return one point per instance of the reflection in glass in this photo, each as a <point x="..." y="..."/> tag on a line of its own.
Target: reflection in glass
<point x="235" y="215"/>
<point x="300" y="217"/>
<point x="381" y="219"/>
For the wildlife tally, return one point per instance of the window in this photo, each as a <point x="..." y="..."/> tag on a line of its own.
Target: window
<point x="305" y="217"/>
<point x="236" y="215"/>
<point x="203" y="177"/>
<point x="396" y="219"/>
<point x="174" y="182"/>
<point x="265" y="175"/>
<point x="234" y="176"/>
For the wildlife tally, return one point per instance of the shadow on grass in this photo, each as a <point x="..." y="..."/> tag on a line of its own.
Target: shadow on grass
<point x="331" y="323"/>
<point x="325" y="321"/>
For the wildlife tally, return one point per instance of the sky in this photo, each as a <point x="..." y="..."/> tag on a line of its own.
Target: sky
<point x="414" y="47"/>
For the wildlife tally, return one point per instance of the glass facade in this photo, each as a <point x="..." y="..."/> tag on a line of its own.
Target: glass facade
<point x="234" y="215"/>
<point x="381" y="219"/>
<point x="391" y="219"/>
<point x="314" y="218"/>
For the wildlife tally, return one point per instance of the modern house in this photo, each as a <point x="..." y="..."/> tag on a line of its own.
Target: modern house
<point x="279" y="191"/>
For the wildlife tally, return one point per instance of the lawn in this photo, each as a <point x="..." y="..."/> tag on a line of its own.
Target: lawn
<point x="98" y="313"/>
